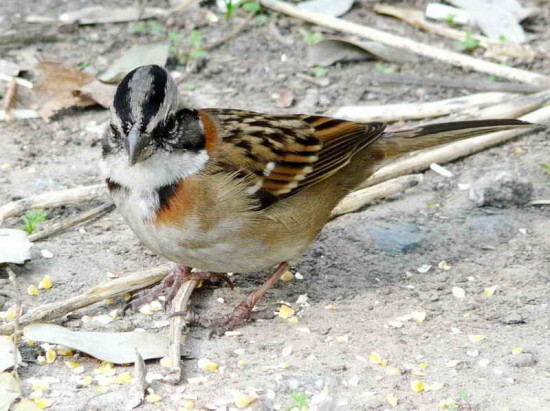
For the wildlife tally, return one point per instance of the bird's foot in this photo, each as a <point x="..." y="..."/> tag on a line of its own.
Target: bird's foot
<point x="244" y="311"/>
<point x="170" y="285"/>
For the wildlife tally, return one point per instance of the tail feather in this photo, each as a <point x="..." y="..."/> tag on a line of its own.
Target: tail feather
<point x="400" y="142"/>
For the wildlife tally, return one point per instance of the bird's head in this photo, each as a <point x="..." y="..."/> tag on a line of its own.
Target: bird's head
<point x="149" y="130"/>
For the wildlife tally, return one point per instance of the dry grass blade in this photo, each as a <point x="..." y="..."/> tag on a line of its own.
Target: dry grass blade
<point x="404" y="43"/>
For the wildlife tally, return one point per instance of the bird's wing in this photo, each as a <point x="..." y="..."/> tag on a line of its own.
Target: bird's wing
<point x="282" y="154"/>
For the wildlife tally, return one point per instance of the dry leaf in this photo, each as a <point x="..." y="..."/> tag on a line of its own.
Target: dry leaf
<point x="10" y="390"/>
<point x="56" y="88"/>
<point x="15" y="247"/>
<point x="7" y="347"/>
<point x="140" y="55"/>
<point x="103" y="94"/>
<point x="332" y="50"/>
<point x="118" y="348"/>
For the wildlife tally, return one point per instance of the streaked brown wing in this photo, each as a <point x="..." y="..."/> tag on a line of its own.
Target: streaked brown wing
<point x="285" y="154"/>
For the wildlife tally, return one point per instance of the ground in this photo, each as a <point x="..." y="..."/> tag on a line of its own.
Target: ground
<point x="361" y="274"/>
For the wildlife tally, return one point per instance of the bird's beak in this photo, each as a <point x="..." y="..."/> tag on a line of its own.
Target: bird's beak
<point x="133" y="146"/>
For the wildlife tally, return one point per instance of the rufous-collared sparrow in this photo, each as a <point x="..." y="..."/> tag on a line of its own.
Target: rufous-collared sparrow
<point x="224" y="190"/>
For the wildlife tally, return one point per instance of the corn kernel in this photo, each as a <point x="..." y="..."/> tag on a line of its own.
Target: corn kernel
<point x="293" y="320"/>
<point x="207" y="365"/>
<point x="476" y="337"/>
<point x="43" y="402"/>
<point x="32" y="290"/>
<point x="489" y="291"/>
<point x="244" y="400"/>
<point x="152" y="398"/>
<point x="417" y="386"/>
<point x="392" y="400"/>
<point x="188" y="404"/>
<point x="51" y="355"/>
<point x="124" y="378"/>
<point x="287" y="276"/>
<point x="46" y="283"/>
<point x="286" y="312"/>
<point x="375" y="358"/>
<point x="423" y="365"/>
<point x="242" y="363"/>
<point x="517" y="350"/>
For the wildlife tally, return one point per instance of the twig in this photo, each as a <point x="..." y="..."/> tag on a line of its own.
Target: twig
<point x="179" y="305"/>
<point x="415" y="111"/>
<point x="416" y="19"/>
<point x="18" y="80"/>
<point x="88" y="215"/>
<point x="404" y="43"/>
<point x="539" y="202"/>
<point x="470" y="84"/>
<point x="321" y="82"/>
<point x="453" y="151"/>
<point x="31" y="35"/>
<point x="230" y="35"/>
<point x="97" y="192"/>
<point x="16" y="321"/>
<point x="140" y="375"/>
<point x="10" y="100"/>
<point x="361" y="198"/>
<point x="128" y="283"/>
<point x="19" y="114"/>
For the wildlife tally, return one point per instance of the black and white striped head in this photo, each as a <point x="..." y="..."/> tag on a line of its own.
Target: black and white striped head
<point x="151" y="138"/>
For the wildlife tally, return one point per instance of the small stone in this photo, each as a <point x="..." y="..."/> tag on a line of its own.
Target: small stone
<point x="484" y="362"/>
<point x="46" y="254"/>
<point x="513" y="318"/>
<point x="458" y="292"/>
<point x="522" y="360"/>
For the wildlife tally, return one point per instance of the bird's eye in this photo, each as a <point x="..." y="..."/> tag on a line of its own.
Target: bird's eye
<point x="114" y="132"/>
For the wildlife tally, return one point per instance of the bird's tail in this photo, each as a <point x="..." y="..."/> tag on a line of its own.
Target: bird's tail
<point x="397" y="143"/>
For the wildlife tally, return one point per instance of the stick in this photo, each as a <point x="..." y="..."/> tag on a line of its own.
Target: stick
<point x="179" y="304"/>
<point x="16" y="320"/>
<point x="539" y="202"/>
<point x="88" y="215"/>
<point x="416" y="18"/>
<point x="231" y="35"/>
<point x="128" y="283"/>
<point x="18" y="80"/>
<point x="471" y="84"/>
<point x="404" y="43"/>
<point x="21" y="114"/>
<point x="10" y="100"/>
<point x="415" y="111"/>
<point x="453" y="151"/>
<point x="358" y="199"/>
<point x="97" y="192"/>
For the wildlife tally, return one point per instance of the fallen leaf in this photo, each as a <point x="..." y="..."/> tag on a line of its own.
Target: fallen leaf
<point x="139" y="55"/>
<point x="100" y="14"/>
<point x="118" y="348"/>
<point x="417" y="386"/>
<point x="10" y="390"/>
<point x="15" y="247"/>
<point x="103" y="94"/>
<point x="46" y="283"/>
<point x="7" y="357"/>
<point x="286" y="312"/>
<point x="330" y="7"/>
<point x="332" y="50"/>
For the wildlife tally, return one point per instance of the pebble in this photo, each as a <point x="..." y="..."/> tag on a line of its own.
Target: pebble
<point x="522" y="360"/>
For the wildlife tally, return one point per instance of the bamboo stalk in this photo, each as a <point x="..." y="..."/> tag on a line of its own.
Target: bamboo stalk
<point x="404" y="43"/>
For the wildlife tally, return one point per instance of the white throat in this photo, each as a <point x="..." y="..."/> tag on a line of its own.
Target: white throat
<point x="159" y="170"/>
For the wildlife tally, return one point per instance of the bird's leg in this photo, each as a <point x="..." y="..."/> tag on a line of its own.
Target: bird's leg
<point x="170" y="285"/>
<point x="243" y="312"/>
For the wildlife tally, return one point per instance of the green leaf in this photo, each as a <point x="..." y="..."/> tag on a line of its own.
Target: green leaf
<point x="463" y="395"/>
<point x="300" y="399"/>
<point x="469" y="43"/>
<point x="252" y="7"/>
<point x="198" y="54"/>
<point x="174" y="38"/>
<point x="311" y="37"/>
<point x="137" y="28"/>
<point x="383" y="69"/>
<point x="450" y="19"/>
<point x="261" y="19"/>
<point x="32" y="218"/>
<point x="195" y="39"/>
<point x="320" y="71"/>
<point x="189" y="86"/>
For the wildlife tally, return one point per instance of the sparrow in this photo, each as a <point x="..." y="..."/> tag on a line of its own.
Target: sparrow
<point x="223" y="190"/>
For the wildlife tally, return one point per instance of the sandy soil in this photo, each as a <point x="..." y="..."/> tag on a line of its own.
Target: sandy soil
<point x="358" y="266"/>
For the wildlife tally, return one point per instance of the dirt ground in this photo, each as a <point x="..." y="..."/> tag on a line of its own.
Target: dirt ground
<point x="358" y="266"/>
